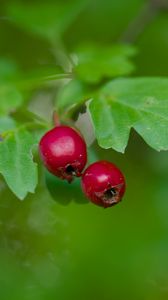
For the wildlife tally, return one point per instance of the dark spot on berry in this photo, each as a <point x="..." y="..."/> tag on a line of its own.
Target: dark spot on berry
<point x="110" y="193"/>
<point x="70" y="170"/>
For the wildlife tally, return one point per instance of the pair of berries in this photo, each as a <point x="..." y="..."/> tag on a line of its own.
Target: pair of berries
<point x="64" y="153"/>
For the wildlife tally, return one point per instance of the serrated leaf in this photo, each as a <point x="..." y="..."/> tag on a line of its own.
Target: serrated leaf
<point x="48" y="20"/>
<point x="16" y="162"/>
<point x="70" y="95"/>
<point x="140" y="103"/>
<point x="97" y="62"/>
<point x="10" y="99"/>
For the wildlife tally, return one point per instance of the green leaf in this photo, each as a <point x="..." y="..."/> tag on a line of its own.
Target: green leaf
<point x="97" y="62"/>
<point x="70" y="95"/>
<point x="10" y="99"/>
<point x="48" y="20"/>
<point x="140" y="103"/>
<point x="6" y="123"/>
<point x="16" y="162"/>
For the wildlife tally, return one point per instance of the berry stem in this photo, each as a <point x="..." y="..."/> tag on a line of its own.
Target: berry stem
<point x="56" y="119"/>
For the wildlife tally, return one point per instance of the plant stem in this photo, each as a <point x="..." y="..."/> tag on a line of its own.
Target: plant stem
<point x="56" y="119"/>
<point x="147" y="14"/>
<point x="61" y="55"/>
<point x="32" y="83"/>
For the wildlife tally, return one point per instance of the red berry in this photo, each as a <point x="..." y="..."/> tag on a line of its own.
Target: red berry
<point x="103" y="183"/>
<point x="63" y="152"/>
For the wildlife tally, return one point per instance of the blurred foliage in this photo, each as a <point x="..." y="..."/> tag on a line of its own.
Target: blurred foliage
<point x="8" y="69"/>
<point x="48" y="20"/>
<point x="70" y="95"/>
<point x="6" y="123"/>
<point x="55" y="244"/>
<point x="96" y="63"/>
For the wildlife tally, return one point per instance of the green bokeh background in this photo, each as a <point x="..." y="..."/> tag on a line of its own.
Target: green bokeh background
<point x="67" y="248"/>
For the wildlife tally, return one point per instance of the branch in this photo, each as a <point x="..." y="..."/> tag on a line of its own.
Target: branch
<point x="147" y="14"/>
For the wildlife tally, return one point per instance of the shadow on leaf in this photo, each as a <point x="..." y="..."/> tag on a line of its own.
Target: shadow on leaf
<point x="63" y="192"/>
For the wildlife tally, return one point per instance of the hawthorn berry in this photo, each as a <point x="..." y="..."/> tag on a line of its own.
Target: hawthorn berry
<point x="63" y="151"/>
<point x="103" y="183"/>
